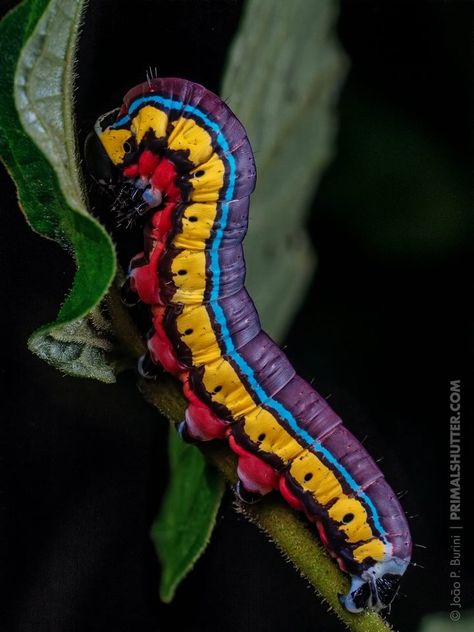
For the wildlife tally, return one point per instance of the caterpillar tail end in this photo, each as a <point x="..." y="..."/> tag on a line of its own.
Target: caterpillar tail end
<point x="375" y="588"/>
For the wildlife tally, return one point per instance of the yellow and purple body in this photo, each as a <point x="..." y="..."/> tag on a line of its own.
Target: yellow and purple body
<point x="187" y="169"/>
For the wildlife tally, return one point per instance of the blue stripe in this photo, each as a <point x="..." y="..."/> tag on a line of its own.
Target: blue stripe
<point x="247" y="370"/>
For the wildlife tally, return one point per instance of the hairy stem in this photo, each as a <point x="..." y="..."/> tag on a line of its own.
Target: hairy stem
<point x="293" y="537"/>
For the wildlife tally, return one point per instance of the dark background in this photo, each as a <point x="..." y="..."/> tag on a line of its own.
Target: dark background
<point x="385" y="328"/>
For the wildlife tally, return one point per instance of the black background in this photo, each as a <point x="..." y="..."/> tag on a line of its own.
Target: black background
<point x="383" y="331"/>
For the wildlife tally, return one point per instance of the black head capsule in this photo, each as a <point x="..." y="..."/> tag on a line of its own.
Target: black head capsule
<point x="98" y="163"/>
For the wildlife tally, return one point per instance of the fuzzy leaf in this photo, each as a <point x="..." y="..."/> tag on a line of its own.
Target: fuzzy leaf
<point x="188" y="513"/>
<point x="282" y="81"/>
<point x="79" y="347"/>
<point x="37" y="146"/>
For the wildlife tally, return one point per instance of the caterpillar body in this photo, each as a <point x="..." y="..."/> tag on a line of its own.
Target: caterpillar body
<point x="181" y="162"/>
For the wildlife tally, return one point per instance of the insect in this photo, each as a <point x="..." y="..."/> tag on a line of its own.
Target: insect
<point x="179" y="164"/>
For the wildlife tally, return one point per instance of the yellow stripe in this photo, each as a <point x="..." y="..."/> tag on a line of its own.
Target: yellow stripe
<point x="374" y="549"/>
<point x="195" y="329"/>
<point x="207" y="186"/>
<point x="188" y="135"/>
<point x="197" y="231"/>
<point x="189" y="276"/>
<point x="148" y="119"/>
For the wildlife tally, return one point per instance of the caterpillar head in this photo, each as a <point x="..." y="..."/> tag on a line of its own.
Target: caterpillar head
<point x="100" y="163"/>
<point x="112" y="156"/>
<point x="376" y="587"/>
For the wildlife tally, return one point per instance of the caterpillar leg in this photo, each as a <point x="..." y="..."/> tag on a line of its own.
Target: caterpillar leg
<point x="183" y="431"/>
<point x="201" y="424"/>
<point x="128" y="295"/>
<point x="160" y="346"/>
<point x="148" y="368"/>
<point x="244" y="495"/>
<point x="256" y="478"/>
<point x="289" y="495"/>
<point x="128" y="292"/>
<point x="142" y="277"/>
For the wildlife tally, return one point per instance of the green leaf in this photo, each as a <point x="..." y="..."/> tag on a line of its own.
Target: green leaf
<point x="37" y="145"/>
<point x="282" y="81"/>
<point x="187" y="515"/>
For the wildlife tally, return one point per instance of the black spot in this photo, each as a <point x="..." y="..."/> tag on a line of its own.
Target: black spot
<point x="200" y="173"/>
<point x="127" y="147"/>
<point x="193" y="218"/>
<point x="187" y="332"/>
<point x="348" y="518"/>
<point x="217" y="389"/>
<point x="308" y="476"/>
<point x="182" y="272"/>
<point x="261" y="436"/>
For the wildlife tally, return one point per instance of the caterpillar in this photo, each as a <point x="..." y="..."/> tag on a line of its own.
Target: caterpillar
<point x="179" y="163"/>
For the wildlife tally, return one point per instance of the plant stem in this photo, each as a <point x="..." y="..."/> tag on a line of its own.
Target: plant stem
<point x="291" y="535"/>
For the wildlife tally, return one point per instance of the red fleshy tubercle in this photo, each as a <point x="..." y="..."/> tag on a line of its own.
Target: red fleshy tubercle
<point x="289" y="496"/>
<point x="160" y="346"/>
<point x="147" y="163"/>
<point x="324" y="538"/>
<point x="162" y="221"/>
<point x="202" y="423"/>
<point x="144" y="279"/>
<point x="256" y="475"/>
<point x="131" y="171"/>
<point x="164" y="178"/>
<point x="235" y="447"/>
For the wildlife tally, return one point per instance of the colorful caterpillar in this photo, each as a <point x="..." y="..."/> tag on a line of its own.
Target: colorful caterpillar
<point x="176" y="156"/>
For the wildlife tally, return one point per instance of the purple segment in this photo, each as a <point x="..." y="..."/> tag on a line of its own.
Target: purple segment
<point x="352" y="455"/>
<point x="237" y="221"/>
<point x="242" y="318"/>
<point x="232" y="270"/>
<point x="312" y="412"/>
<point x="392" y="516"/>
<point x="270" y="365"/>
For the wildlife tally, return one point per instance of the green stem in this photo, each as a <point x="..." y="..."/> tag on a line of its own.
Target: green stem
<point x="294" y="538"/>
